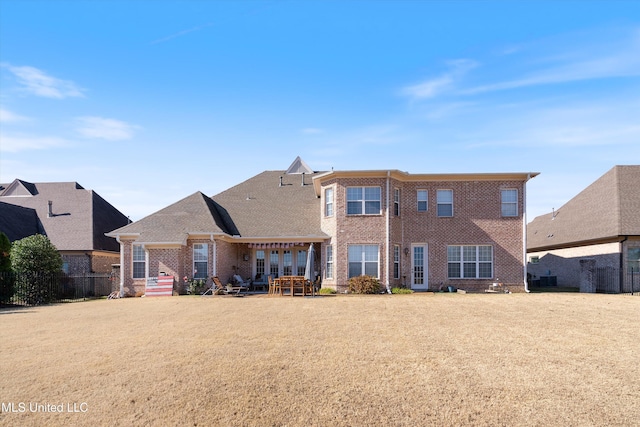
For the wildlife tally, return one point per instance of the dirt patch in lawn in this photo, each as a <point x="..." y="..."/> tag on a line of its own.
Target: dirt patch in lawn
<point x="403" y="360"/>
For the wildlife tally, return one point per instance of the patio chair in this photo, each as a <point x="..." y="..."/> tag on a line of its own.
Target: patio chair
<point x="238" y="287"/>
<point x="299" y="284"/>
<point x="274" y="286"/>
<point x="216" y="287"/>
<point x="241" y="282"/>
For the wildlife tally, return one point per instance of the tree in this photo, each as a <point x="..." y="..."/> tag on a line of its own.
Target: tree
<point x="6" y="278"/>
<point x="35" y="261"/>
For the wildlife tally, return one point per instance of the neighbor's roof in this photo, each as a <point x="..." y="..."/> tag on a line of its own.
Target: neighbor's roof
<point x="195" y="214"/>
<point x="80" y="217"/>
<point x="605" y="210"/>
<point x="18" y="222"/>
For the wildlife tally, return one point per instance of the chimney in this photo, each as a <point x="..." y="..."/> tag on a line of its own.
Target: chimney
<point x="302" y="179"/>
<point x="280" y="181"/>
<point x="50" y="213"/>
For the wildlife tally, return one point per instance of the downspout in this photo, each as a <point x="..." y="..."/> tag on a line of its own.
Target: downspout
<point x="214" y="270"/>
<point x="146" y="263"/>
<point x="121" y="267"/>
<point x="524" y="234"/>
<point x="622" y="265"/>
<point x="388" y="237"/>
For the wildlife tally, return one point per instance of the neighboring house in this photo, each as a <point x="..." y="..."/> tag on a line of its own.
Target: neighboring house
<point x="18" y="222"/>
<point x="74" y="219"/>
<point x="601" y="223"/>
<point x="422" y="231"/>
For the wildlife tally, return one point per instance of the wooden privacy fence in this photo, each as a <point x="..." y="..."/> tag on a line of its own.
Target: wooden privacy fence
<point x="34" y="288"/>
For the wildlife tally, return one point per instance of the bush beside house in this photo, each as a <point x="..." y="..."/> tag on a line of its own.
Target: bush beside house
<point x="36" y="262"/>
<point x="6" y="279"/>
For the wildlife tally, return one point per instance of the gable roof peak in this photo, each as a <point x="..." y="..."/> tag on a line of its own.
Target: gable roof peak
<point x="20" y="188"/>
<point x="299" y="166"/>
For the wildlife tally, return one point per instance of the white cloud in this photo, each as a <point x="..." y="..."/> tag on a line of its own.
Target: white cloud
<point x="7" y="116"/>
<point x="437" y="85"/>
<point x="614" y="59"/>
<point x="103" y="128"/>
<point x="38" y="83"/>
<point x="182" y="33"/>
<point x="14" y="144"/>
<point x="312" y="131"/>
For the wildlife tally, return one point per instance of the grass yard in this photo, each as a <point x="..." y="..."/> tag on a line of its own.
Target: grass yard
<point x="544" y="359"/>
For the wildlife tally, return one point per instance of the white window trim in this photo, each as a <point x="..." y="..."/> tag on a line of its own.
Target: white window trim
<point x="396" y="201"/>
<point x="397" y="257"/>
<point x="438" y="203"/>
<point x="426" y="200"/>
<point x="330" y="264"/>
<point x="477" y="262"/>
<point x="327" y="203"/>
<point x="363" y="201"/>
<point x="503" y="203"/>
<point x="133" y="261"/>
<point x="193" y="266"/>
<point x="363" y="262"/>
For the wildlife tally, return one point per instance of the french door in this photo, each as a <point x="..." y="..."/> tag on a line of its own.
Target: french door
<point x="419" y="266"/>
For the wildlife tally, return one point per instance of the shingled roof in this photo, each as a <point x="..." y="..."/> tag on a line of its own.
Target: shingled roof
<point x="18" y="222"/>
<point x="75" y="220"/>
<point x="605" y="210"/>
<point x="274" y="204"/>
<point x="195" y="214"/>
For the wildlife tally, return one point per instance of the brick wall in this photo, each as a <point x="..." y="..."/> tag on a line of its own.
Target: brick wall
<point x="77" y="263"/>
<point x="477" y="220"/>
<point x="102" y="263"/>
<point x="565" y="263"/>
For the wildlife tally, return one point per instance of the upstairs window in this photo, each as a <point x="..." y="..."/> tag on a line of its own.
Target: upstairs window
<point x="328" y="202"/>
<point x="509" y="200"/>
<point x="423" y="204"/>
<point x="445" y="203"/>
<point x="396" y="201"/>
<point x="363" y="200"/>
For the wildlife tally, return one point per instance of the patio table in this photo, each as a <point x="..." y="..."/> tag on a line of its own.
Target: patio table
<point x="292" y="283"/>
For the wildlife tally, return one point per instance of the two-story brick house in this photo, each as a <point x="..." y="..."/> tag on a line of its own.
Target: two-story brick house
<point x="424" y="231"/>
<point x="418" y="230"/>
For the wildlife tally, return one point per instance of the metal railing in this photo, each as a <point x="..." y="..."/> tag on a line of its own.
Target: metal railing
<point x="34" y="288"/>
<point x="613" y="280"/>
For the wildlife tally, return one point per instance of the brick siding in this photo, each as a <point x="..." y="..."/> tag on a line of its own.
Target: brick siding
<point x="477" y="220"/>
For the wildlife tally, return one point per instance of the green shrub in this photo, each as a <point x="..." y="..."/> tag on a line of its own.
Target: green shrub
<point x="326" y="291"/>
<point x="6" y="278"/>
<point x="196" y="286"/>
<point x="401" y="291"/>
<point x="364" y="285"/>
<point x="36" y="262"/>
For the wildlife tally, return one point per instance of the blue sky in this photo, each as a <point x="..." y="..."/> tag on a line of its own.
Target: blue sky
<point x="146" y="102"/>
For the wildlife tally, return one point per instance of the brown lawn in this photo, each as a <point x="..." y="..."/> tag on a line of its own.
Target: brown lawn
<point x="385" y="360"/>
